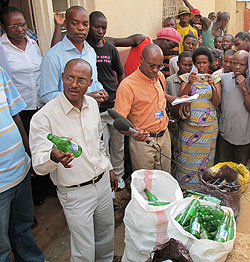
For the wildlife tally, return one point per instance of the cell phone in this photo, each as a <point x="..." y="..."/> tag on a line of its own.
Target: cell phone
<point x="202" y="77"/>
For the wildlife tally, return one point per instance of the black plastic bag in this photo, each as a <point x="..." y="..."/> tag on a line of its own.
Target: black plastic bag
<point x="173" y="249"/>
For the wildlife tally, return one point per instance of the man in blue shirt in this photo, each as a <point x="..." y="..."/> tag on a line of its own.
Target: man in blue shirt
<point x="72" y="46"/>
<point x="16" y="207"/>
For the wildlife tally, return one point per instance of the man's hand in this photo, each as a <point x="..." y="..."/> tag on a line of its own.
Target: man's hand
<point x="60" y="157"/>
<point x="241" y="80"/>
<point x="192" y="77"/>
<point x="59" y="18"/>
<point x="99" y="96"/>
<point x="142" y="136"/>
<point x="113" y="180"/>
<point x="105" y="95"/>
<point x="184" y="111"/>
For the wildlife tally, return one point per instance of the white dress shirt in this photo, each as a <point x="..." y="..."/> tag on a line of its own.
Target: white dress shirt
<point x="25" y="69"/>
<point x="59" y="117"/>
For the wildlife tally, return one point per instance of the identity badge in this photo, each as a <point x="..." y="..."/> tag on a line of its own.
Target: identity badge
<point x="159" y="114"/>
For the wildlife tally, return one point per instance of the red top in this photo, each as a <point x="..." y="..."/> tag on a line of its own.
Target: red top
<point x="133" y="60"/>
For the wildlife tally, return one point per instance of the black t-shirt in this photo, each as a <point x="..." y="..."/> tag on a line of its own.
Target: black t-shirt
<point x="108" y="61"/>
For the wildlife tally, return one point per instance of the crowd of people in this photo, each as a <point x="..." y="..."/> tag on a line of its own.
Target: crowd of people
<point x="68" y="93"/>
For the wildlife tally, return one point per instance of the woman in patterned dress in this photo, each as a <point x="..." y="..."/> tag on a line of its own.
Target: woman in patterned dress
<point x="197" y="136"/>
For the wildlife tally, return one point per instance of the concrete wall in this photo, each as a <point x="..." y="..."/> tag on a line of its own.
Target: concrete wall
<point x="205" y="6"/>
<point x="230" y="7"/>
<point x="131" y="16"/>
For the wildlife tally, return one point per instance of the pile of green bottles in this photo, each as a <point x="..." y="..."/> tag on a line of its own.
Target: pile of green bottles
<point x="207" y="222"/>
<point x="153" y="200"/>
<point x="202" y="196"/>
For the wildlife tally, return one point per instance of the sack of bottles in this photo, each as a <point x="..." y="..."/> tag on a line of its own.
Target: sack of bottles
<point x="222" y="184"/>
<point x="153" y="194"/>
<point x="206" y="228"/>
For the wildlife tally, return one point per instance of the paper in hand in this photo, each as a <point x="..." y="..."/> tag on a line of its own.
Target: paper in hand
<point x="185" y="100"/>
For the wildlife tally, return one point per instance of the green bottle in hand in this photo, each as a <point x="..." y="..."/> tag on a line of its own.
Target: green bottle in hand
<point x="65" y="145"/>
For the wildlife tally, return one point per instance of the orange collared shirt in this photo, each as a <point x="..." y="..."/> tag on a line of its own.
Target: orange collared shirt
<point x="138" y="98"/>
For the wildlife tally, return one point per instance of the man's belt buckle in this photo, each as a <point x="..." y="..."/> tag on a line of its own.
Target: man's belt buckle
<point x="94" y="180"/>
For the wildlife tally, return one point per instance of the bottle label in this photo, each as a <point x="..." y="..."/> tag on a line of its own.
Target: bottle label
<point x="195" y="197"/>
<point x="73" y="147"/>
<point x="196" y="226"/>
<point x="223" y="234"/>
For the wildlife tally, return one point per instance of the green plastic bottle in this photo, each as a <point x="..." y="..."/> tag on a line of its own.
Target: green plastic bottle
<point x="230" y="229"/>
<point x="210" y="198"/>
<point x="65" y="145"/>
<point x="218" y="213"/>
<point x="195" y="226"/>
<point x="179" y="218"/>
<point x="222" y="232"/>
<point x="190" y="211"/>
<point x="150" y="196"/>
<point x="205" y="210"/>
<point x="190" y="193"/>
<point x="157" y="203"/>
<point x="208" y="218"/>
<point x="204" y="234"/>
<point x="213" y="225"/>
<point x="153" y="200"/>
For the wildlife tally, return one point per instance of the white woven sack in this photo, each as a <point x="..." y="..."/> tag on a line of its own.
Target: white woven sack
<point x="146" y="225"/>
<point x="201" y="250"/>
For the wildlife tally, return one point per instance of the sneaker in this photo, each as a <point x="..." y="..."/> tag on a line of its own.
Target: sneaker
<point x="121" y="184"/>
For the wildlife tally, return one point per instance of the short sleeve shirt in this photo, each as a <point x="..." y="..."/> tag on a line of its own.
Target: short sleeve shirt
<point x="234" y="124"/>
<point x="14" y="162"/>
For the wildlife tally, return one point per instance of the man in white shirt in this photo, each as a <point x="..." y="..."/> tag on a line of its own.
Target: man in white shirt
<point x="83" y="184"/>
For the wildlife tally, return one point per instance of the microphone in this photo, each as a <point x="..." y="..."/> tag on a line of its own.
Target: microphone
<point x="121" y="125"/>
<point x="116" y="115"/>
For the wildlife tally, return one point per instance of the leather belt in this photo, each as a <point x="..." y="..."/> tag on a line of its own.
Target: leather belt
<point x="157" y="134"/>
<point x="92" y="181"/>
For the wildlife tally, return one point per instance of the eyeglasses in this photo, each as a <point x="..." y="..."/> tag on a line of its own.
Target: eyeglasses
<point x="153" y="66"/>
<point x="80" y="81"/>
<point x="14" y="27"/>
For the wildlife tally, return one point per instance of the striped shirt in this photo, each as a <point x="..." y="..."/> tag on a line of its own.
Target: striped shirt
<point x="14" y="162"/>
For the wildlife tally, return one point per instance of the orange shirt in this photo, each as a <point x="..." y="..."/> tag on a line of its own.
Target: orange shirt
<point x="138" y="98"/>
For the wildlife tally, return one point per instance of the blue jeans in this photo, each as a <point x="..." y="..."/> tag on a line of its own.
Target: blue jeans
<point x="16" y="218"/>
